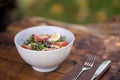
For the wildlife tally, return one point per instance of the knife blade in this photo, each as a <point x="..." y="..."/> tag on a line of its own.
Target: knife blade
<point x="99" y="70"/>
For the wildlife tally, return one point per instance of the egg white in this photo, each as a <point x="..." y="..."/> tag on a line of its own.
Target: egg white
<point x="55" y="39"/>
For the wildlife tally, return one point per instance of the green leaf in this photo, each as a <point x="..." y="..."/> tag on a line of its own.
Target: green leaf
<point x="41" y="47"/>
<point x="33" y="45"/>
<point x="62" y="38"/>
<point x="31" y="39"/>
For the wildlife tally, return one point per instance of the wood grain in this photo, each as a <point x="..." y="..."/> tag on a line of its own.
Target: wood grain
<point x="101" y="39"/>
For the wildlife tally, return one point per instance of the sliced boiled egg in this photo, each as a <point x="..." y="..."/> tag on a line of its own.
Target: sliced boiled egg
<point x="55" y="37"/>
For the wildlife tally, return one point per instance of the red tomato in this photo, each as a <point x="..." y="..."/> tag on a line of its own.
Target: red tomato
<point x="24" y="46"/>
<point x="62" y="43"/>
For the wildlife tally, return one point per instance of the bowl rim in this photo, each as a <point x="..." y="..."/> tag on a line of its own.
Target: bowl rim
<point x="73" y="38"/>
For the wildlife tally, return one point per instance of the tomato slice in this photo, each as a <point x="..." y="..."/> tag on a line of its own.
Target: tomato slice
<point x="62" y="43"/>
<point x="24" y="46"/>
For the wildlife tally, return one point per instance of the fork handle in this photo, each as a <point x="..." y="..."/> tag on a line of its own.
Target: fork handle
<point x="75" y="78"/>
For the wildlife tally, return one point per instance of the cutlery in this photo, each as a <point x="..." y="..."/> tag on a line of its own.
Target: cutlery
<point x="87" y="65"/>
<point x="99" y="70"/>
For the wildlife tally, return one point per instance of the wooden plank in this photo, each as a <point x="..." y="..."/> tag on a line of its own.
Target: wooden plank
<point x="9" y="53"/>
<point x="65" y="67"/>
<point x="53" y="76"/>
<point x="99" y="39"/>
<point x="9" y="69"/>
<point x="27" y="73"/>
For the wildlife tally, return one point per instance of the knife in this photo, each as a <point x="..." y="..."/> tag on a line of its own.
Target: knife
<point x="99" y="70"/>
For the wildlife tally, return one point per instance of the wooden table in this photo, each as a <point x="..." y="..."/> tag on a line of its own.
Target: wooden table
<point x="101" y="39"/>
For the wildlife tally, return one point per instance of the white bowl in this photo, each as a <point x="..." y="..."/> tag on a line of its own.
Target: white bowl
<point x="43" y="61"/>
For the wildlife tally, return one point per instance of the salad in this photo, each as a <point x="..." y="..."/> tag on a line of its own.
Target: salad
<point x="45" y="42"/>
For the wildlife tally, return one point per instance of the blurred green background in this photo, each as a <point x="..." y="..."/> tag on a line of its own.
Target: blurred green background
<point x="70" y="11"/>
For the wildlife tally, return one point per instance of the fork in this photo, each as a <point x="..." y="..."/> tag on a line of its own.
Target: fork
<point x="87" y="65"/>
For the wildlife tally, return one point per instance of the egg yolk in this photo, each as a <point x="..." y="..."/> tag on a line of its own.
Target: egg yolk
<point x="54" y="36"/>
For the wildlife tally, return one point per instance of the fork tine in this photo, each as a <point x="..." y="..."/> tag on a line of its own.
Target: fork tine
<point x="88" y="59"/>
<point x="93" y="61"/>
